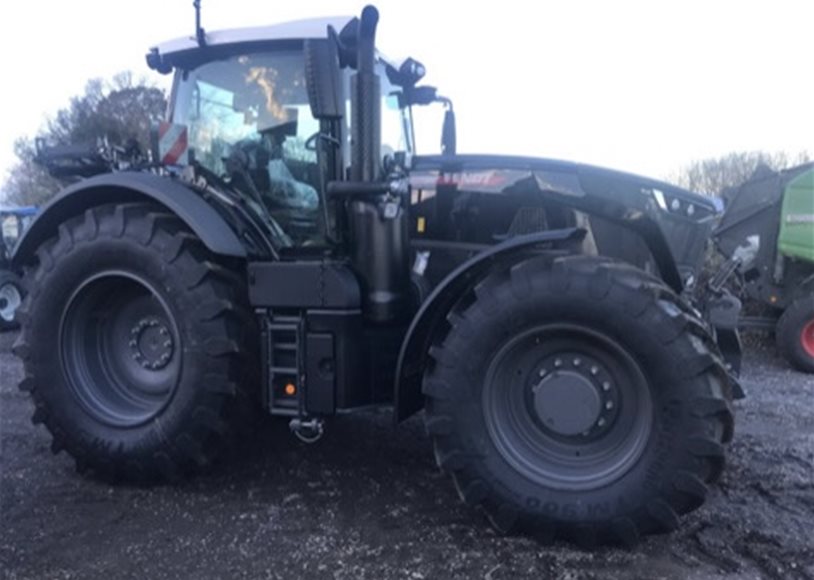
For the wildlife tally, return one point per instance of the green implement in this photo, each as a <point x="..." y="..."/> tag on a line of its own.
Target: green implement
<point x="796" y="239"/>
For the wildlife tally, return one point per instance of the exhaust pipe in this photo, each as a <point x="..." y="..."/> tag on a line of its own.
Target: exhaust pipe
<point x="366" y="104"/>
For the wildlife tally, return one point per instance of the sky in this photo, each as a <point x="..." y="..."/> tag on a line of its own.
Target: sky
<point x="642" y="86"/>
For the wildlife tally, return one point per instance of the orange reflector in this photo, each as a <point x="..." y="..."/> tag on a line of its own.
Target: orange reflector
<point x="290" y="389"/>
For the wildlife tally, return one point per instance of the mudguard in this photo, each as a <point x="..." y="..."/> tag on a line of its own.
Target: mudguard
<point x="412" y="356"/>
<point x="196" y="213"/>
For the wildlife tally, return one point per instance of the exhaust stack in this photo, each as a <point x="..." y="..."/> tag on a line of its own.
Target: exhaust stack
<point x="366" y="103"/>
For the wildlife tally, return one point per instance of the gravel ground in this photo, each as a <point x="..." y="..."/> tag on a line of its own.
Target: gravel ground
<point x="367" y="502"/>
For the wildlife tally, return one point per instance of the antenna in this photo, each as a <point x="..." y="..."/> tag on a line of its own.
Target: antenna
<point x="200" y="33"/>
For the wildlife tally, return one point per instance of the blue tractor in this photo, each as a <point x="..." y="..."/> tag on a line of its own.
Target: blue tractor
<point x="13" y="222"/>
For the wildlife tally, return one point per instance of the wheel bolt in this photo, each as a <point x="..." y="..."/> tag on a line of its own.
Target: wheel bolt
<point x="577" y="362"/>
<point x="606" y="386"/>
<point x="600" y="423"/>
<point x="167" y="343"/>
<point x="609" y="405"/>
<point x="558" y="363"/>
<point x="594" y="371"/>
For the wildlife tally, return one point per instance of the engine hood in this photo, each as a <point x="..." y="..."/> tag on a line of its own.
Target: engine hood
<point x="673" y="222"/>
<point x="496" y="173"/>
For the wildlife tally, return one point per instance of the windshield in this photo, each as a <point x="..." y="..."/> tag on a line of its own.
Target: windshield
<point x="248" y="121"/>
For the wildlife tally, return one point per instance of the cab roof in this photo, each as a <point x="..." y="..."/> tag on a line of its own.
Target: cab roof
<point x="166" y="55"/>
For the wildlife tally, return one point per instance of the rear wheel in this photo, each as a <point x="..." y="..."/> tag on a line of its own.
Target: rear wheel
<point x="795" y="334"/>
<point x="11" y="296"/>
<point x="578" y="398"/>
<point x="133" y="339"/>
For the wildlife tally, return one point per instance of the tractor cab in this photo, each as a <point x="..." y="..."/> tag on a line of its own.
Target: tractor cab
<point x="268" y="111"/>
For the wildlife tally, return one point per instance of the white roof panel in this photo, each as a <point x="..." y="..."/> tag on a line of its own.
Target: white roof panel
<point x="298" y="29"/>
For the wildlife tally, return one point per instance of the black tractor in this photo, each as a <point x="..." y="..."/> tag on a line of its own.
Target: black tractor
<point x="287" y="249"/>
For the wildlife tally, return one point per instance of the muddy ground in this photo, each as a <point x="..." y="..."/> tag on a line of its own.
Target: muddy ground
<point x="367" y="502"/>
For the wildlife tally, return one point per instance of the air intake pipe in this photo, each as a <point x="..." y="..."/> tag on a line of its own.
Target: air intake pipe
<point x="379" y="248"/>
<point x="366" y="103"/>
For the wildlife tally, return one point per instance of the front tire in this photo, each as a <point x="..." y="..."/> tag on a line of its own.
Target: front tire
<point x="578" y="398"/>
<point x="133" y="338"/>
<point x="795" y="334"/>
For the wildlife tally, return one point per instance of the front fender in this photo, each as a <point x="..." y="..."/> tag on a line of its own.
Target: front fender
<point x="412" y="356"/>
<point x="123" y="187"/>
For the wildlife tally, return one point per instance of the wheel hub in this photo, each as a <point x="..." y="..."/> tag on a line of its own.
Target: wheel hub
<point x="567" y="403"/>
<point x="575" y="396"/>
<point x="151" y="344"/>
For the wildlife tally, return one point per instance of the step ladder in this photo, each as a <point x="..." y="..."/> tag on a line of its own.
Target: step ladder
<point x="285" y="365"/>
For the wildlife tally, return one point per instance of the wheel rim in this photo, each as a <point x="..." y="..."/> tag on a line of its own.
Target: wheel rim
<point x="807" y="338"/>
<point x="120" y="349"/>
<point x="567" y="407"/>
<point x="10" y="299"/>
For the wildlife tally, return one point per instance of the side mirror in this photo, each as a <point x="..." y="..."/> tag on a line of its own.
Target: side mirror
<point x="322" y="79"/>
<point x="408" y="74"/>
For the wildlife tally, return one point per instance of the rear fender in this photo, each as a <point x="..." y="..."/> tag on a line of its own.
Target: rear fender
<point x="197" y="214"/>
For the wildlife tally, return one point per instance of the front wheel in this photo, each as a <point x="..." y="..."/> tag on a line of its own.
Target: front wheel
<point x="578" y="398"/>
<point x="795" y="334"/>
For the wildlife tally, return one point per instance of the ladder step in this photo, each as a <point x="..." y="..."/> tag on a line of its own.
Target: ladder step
<point x="286" y="346"/>
<point x="283" y="326"/>
<point x="285" y="370"/>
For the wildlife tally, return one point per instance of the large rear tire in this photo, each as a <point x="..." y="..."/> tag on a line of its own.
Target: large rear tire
<point x="132" y="339"/>
<point x="795" y="334"/>
<point x="578" y="398"/>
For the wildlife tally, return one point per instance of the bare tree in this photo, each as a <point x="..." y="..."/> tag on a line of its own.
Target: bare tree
<point x="119" y="110"/>
<point x="712" y="176"/>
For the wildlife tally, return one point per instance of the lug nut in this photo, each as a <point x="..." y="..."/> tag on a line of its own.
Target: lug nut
<point x="609" y="405"/>
<point x="600" y="423"/>
<point x="606" y="386"/>
<point x="558" y="363"/>
<point x="594" y="371"/>
<point x="577" y="362"/>
<point x="542" y="373"/>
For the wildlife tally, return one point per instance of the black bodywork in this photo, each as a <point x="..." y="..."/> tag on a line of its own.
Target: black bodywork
<point x="350" y="324"/>
<point x="474" y="210"/>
